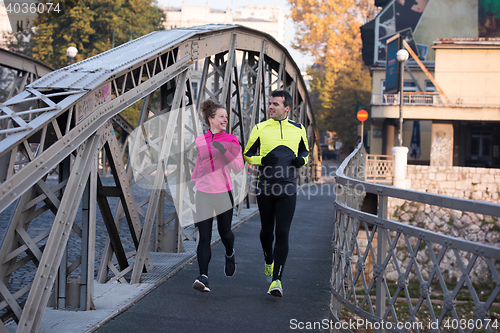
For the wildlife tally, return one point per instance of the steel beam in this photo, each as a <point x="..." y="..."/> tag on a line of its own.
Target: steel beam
<point x="56" y="243"/>
<point x="45" y="124"/>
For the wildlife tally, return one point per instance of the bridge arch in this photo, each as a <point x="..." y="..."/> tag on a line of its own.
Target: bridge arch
<point x="61" y="123"/>
<point x="23" y="71"/>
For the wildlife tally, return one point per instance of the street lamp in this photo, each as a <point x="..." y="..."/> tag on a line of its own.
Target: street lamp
<point x="71" y="52"/>
<point x="402" y="56"/>
<point x="400" y="153"/>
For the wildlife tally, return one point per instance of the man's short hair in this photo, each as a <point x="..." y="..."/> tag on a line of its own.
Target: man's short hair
<point x="287" y="99"/>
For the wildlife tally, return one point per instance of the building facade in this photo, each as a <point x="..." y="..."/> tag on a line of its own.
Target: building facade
<point x="5" y="26"/>
<point x="269" y="19"/>
<point x="192" y="16"/>
<point x="12" y="19"/>
<point x="451" y="100"/>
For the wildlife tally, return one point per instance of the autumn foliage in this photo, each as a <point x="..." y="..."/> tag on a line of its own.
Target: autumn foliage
<point x="329" y="30"/>
<point x="89" y="25"/>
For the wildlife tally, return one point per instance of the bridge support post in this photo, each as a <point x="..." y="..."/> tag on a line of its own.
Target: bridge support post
<point x="400" y="163"/>
<point x="64" y="172"/>
<point x="381" y="255"/>
<point x="58" y="238"/>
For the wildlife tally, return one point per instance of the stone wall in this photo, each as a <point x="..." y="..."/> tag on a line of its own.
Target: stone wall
<point x="460" y="182"/>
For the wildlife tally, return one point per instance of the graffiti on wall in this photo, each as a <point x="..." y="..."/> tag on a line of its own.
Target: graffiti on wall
<point x="442" y="145"/>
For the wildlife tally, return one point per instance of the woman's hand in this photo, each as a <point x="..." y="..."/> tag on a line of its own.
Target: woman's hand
<point x="220" y="147"/>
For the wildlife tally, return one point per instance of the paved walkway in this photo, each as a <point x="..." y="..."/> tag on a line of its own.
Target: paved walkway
<point x="241" y="304"/>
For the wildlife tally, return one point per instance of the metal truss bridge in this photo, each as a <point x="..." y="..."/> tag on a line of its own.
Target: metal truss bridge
<point x="57" y="131"/>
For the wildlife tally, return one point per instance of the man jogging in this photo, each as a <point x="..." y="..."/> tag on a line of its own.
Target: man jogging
<point x="279" y="147"/>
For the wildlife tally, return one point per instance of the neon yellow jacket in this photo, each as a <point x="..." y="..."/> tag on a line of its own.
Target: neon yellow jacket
<point x="287" y="140"/>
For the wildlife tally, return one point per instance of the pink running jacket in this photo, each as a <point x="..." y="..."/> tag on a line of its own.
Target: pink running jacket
<point x="212" y="169"/>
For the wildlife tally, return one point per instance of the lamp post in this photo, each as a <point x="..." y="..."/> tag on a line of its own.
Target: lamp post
<point x="71" y="52"/>
<point x="400" y="153"/>
<point x="402" y="56"/>
<point x="113" y="37"/>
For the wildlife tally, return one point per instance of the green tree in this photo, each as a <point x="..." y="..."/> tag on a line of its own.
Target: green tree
<point x="329" y="31"/>
<point x="89" y="25"/>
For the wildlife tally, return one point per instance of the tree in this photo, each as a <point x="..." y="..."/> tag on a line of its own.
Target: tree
<point x="20" y="42"/>
<point x="89" y="25"/>
<point x="329" y="31"/>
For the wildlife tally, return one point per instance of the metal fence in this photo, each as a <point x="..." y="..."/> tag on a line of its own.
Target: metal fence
<point x="436" y="100"/>
<point x="362" y="294"/>
<point x="379" y="169"/>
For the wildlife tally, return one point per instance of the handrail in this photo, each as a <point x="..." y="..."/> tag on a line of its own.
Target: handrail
<point x="379" y="169"/>
<point x="473" y="206"/>
<point x="354" y="280"/>
<point x="433" y="99"/>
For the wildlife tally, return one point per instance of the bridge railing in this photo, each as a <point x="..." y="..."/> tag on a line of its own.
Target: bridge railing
<point x="423" y="294"/>
<point x="379" y="169"/>
<point x="435" y="99"/>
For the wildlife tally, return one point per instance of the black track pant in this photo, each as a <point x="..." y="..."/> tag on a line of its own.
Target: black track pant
<point x="206" y="205"/>
<point x="276" y="214"/>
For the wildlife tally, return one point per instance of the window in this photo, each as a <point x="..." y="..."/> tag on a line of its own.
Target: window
<point x="480" y="144"/>
<point x="429" y="86"/>
<point x="386" y="99"/>
<point x="408" y="86"/>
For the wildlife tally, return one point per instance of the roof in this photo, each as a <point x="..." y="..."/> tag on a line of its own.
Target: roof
<point x="250" y="19"/>
<point x="380" y="65"/>
<point x="482" y="42"/>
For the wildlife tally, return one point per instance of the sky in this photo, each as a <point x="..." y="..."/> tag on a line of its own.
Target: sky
<point x="301" y="60"/>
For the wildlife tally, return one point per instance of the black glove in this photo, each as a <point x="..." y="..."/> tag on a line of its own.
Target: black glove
<point x="219" y="146"/>
<point x="269" y="159"/>
<point x="298" y="162"/>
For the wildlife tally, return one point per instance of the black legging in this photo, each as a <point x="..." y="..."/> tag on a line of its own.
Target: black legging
<point x="206" y="204"/>
<point x="279" y="210"/>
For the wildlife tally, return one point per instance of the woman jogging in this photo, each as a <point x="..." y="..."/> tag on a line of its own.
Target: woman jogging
<point x="218" y="154"/>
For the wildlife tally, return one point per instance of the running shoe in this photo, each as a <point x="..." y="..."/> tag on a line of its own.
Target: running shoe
<point x="230" y="267"/>
<point x="275" y="289"/>
<point x="268" y="271"/>
<point x="201" y="283"/>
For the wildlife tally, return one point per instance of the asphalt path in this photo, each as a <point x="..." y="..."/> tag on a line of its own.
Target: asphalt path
<point x="241" y="303"/>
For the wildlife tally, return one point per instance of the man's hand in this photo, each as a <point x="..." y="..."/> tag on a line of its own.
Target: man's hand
<point x="298" y="162"/>
<point x="269" y="159"/>
<point x="220" y="147"/>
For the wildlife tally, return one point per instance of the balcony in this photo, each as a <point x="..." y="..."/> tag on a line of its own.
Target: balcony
<point x="434" y="106"/>
<point x="437" y="100"/>
<point x="379" y="169"/>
